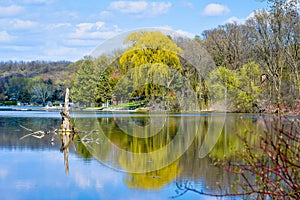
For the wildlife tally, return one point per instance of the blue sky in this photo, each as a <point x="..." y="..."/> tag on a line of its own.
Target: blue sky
<point x="71" y="29"/>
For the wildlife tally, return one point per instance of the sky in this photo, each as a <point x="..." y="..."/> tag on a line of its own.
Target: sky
<point x="55" y="30"/>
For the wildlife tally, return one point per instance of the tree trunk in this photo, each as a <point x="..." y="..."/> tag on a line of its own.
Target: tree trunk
<point x="66" y="125"/>
<point x="66" y="131"/>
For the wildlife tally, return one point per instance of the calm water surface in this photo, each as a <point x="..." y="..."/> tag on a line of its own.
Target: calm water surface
<point x="117" y="155"/>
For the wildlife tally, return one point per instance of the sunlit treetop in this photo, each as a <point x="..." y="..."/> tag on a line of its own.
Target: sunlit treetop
<point x="151" y="40"/>
<point x="148" y="47"/>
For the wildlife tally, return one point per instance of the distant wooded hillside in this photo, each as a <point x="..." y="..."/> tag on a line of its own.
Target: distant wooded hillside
<point x="33" y="81"/>
<point x="30" y="69"/>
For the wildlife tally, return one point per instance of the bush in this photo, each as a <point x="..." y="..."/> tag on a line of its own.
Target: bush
<point x="8" y="103"/>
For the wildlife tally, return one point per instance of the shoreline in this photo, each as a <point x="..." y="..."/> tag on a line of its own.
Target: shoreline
<point x="121" y="110"/>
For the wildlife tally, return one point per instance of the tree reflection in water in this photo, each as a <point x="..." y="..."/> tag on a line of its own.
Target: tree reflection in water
<point x="103" y="139"/>
<point x="69" y="138"/>
<point x="147" y="169"/>
<point x="66" y="140"/>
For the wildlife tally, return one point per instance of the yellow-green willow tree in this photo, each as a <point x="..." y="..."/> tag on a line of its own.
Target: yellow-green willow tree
<point x="152" y="55"/>
<point x="240" y="89"/>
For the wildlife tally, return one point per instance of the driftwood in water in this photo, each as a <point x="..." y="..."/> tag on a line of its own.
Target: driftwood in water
<point x="37" y="134"/>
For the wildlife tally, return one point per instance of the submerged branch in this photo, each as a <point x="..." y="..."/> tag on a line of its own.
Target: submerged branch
<point x="36" y="134"/>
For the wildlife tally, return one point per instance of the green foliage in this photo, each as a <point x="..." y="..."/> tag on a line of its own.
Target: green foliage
<point x="147" y="61"/>
<point x="229" y="142"/>
<point x="239" y="89"/>
<point x="103" y="90"/>
<point x="123" y="89"/>
<point x="19" y="88"/>
<point x="8" y="103"/>
<point x="150" y="48"/>
<point x="222" y="83"/>
<point x="81" y="149"/>
<point x="270" y="39"/>
<point x="18" y="78"/>
<point x="85" y="83"/>
<point x="249" y="78"/>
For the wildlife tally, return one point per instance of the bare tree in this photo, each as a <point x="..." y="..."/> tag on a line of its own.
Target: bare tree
<point x="276" y="35"/>
<point x="230" y="45"/>
<point x="42" y="91"/>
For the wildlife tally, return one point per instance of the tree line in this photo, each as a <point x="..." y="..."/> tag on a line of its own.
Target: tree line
<point x="257" y="64"/>
<point x="33" y="82"/>
<point x="271" y="40"/>
<point x="248" y="67"/>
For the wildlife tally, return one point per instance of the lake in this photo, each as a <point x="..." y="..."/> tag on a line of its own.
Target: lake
<point x="118" y="155"/>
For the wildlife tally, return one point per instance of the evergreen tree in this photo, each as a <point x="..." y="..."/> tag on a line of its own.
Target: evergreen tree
<point x="103" y="92"/>
<point x="84" y="86"/>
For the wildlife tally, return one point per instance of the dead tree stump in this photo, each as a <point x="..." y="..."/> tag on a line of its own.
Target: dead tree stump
<point x="66" y="131"/>
<point x="66" y="125"/>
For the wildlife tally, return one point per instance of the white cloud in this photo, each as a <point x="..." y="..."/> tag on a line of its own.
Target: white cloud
<point x="185" y="33"/>
<point x="157" y="8"/>
<point x="58" y="26"/>
<point x="66" y="15"/>
<point x="86" y="29"/>
<point x="235" y="20"/>
<point x="215" y="10"/>
<point x="10" y="10"/>
<point x="23" y="24"/>
<point x="17" y="24"/>
<point x="97" y="30"/>
<point x="60" y="51"/>
<point x="141" y="8"/>
<point x="132" y="7"/>
<point x="80" y="42"/>
<point x="35" y="1"/>
<point x="170" y="31"/>
<point x="187" y="4"/>
<point x="5" y="37"/>
<point x="105" y="15"/>
<point x="239" y="20"/>
<point x="18" y="48"/>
